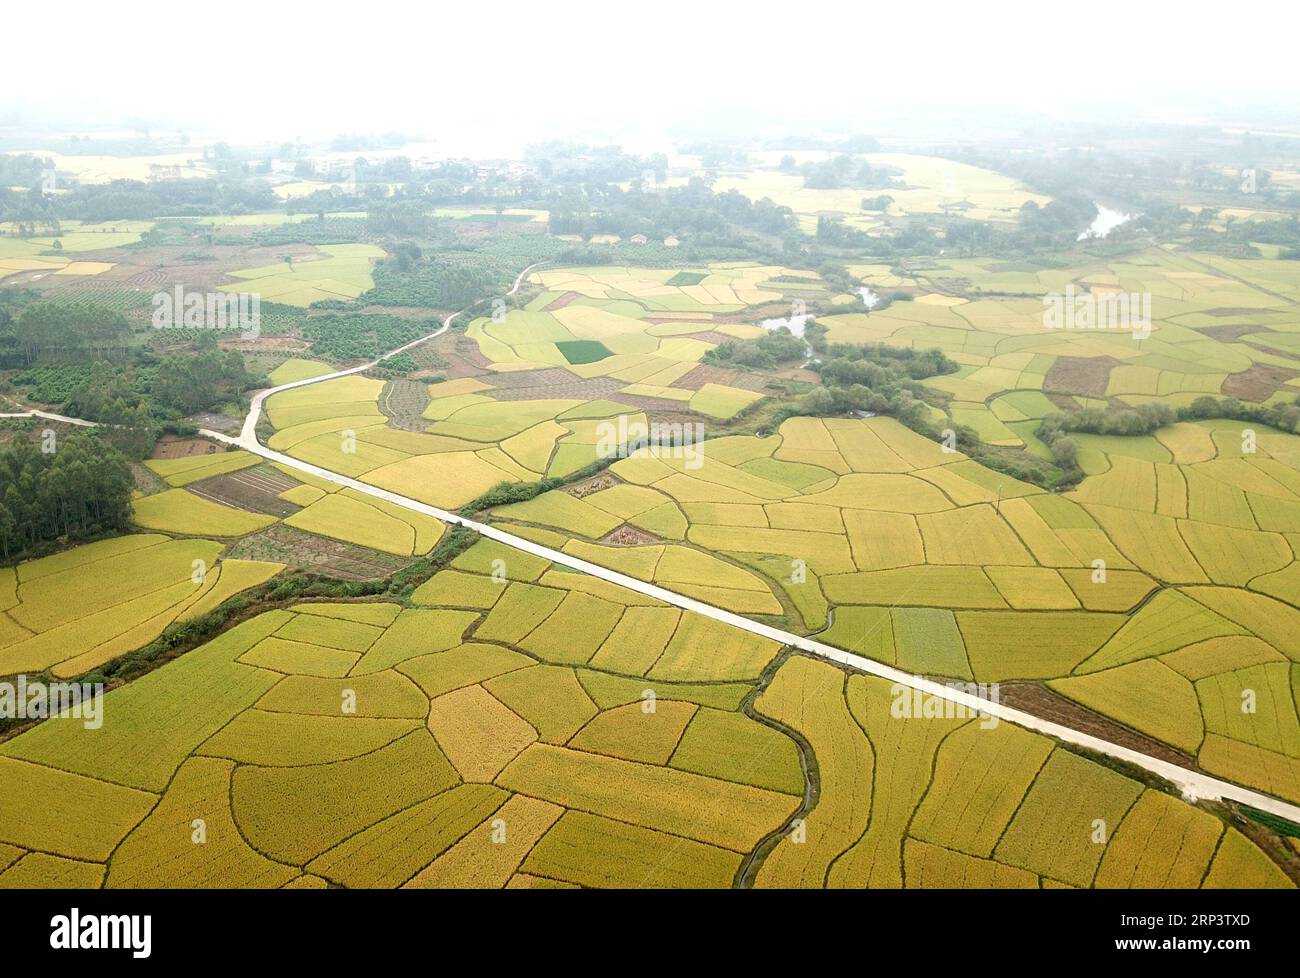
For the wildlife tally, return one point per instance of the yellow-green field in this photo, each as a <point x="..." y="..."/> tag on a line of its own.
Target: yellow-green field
<point x="321" y="729"/>
<point x="326" y="508"/>
<point x="928" y="560"/>
<point x="36" y="254"/>
<point x="951" y="802"/>
<point x="932" y="186"/>
<point x="1218" y="326"/>
<point x="535" y="739"/>
<point x="127" y="591"/>
<point x="480" y="433"/>
<point x="941" y="567"/>
<point x="344" y="272"/>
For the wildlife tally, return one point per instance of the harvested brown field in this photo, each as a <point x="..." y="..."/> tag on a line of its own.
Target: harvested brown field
<point x="256" y="490"/>
<point x="711" y="336"/>
<point x="170" y="446"/>
<point x="1088" y="376"/>
<point x="546" y="378"/>
<point x="1227" y="334"/>
<point x="595" y="484"/>
<point x="628" y="536"/>
<point x="403" y="402"/>
<point x="1222" y="311"/>
<point x="163" y="267"/>
<point x="563" y="301"/>
<point x="318" y="555"/>
<point x="1257" y="382"/>
<point x="556" y="383"/>
<point x="1035" y="698"/>
<point x="461" y="355"/>
<point x="697" y="377"/>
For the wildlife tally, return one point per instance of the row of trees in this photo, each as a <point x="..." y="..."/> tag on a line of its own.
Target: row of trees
<point x="49" y="329"/>
<point x="124" y="200"/>
<point x="691" y="210"/>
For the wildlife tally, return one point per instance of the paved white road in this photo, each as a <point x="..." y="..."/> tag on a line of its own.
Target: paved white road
<point x="80" y="422"/>
<point x="248" y="433"/>
<point x="1192" y="784"/>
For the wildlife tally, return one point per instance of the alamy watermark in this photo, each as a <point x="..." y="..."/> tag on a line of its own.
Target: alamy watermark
<point x="910" y="703"/>
<point x="684" y="440"/>
<point x="179" y="309"/>
<point x="1130" y="312"/>
<point x="38" y="700"/>
<point x="97" y="932"/>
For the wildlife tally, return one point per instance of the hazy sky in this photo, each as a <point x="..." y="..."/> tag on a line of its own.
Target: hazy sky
<point x="507" y="70"/>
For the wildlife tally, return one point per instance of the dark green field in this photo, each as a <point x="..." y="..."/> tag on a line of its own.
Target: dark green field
<point x="687" y="278"/>
<point x="583" y="351"/>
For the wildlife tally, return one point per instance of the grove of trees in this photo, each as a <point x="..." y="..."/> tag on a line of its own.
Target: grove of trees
<point x="81" y="489"/>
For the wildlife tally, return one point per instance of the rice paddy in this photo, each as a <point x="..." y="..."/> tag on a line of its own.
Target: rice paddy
<point x="313" y="715"/>
<point x="930" y="563"/>
<point x="932" y="186"/>
<point x="343" y="272"/>
<point x="324" y="733"/>
<point x="625" y="742"/>
<point x="1216" y="326"/>
<point x="129" y="589"/>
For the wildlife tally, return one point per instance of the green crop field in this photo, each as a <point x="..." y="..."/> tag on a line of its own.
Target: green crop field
<point x="782" y="510"/>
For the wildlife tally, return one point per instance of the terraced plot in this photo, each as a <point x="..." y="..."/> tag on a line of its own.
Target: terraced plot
<point x="629" y="346"/>
<point x="367" y="744"/>
<point x="1219" y="327"/>
<point x="1119" y="595"/>
<point x="128" y="590"/>
<point x="941" y="801"/>
<point x="347" y="747"/>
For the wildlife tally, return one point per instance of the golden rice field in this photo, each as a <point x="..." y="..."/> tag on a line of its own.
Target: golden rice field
<point x="127" y="591"/>
<point x="936" y="565"/>
<point x="327" y="509"/>
<point x="514" y="724"/>
<point x="191" y="468"/>
<point x="305" y="738"/>
<point x="518" y="725"/>
<point x="532" y="413"/>
<point x="957" y="802"/>
<point x="923" y="559"/>
<point x="931" y="186"/>
<point x="36" y="254"/>
<point x="342" y="272"/>
<point x="1217" y="326"/>
<point x="650" y="329"/>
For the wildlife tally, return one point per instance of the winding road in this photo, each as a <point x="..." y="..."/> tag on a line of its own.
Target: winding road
<point x="1192" y="784"/>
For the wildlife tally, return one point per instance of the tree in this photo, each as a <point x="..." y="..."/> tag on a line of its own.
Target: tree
<point x="82" y="489"/>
